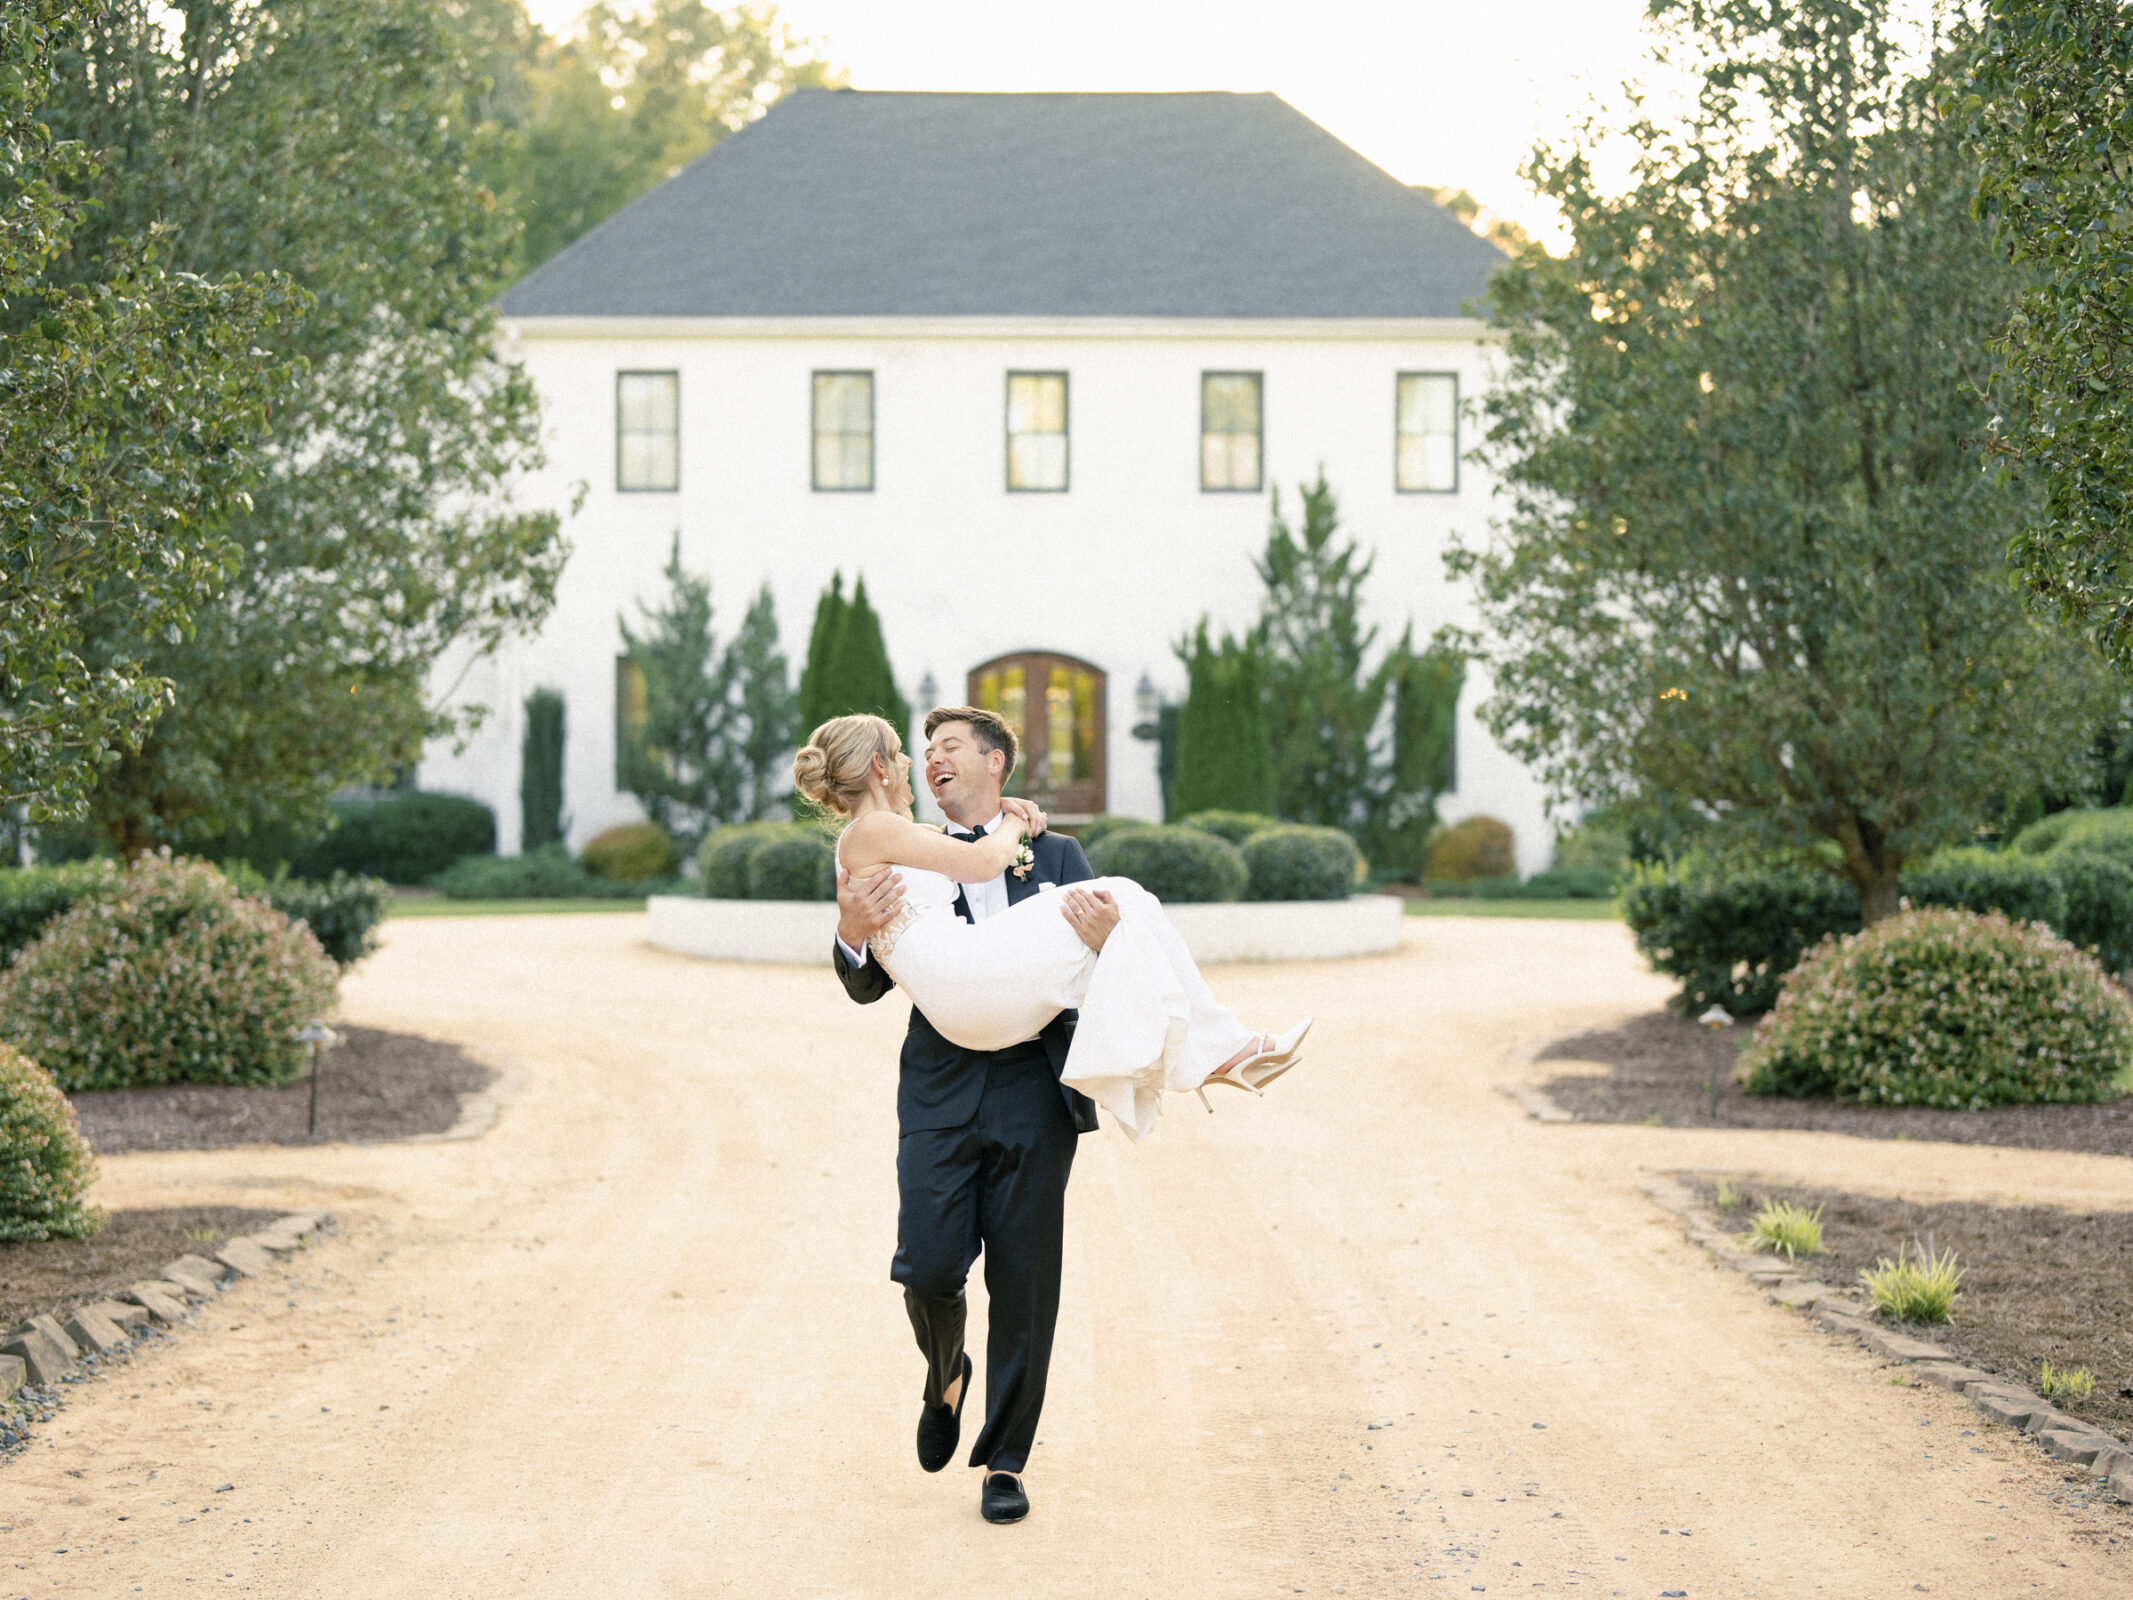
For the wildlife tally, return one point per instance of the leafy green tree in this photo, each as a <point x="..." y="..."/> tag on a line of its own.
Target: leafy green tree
<point x="1324" y="699"/>
<point x="2049" y="100"/>
<point x="130" y="402"/>
<point x="540" y="772"/>
<point x="1225" y="760"/>
<point x="765" y="715"/>
<point x="1750" y="562"/>
<point x="848" y="663"/>
<point x="330" y="140"/>
<point x="627" y="100"/>
<point x="718" y="725"/>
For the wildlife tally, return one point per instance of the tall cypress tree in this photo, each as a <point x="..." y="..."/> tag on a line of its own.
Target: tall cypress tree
<point x="540" y="773"/>
<point x="814" y="675"/>
<point x="1225" y="759"/>
<point x="856" y="675"/>
<point x="1425" y="708"/>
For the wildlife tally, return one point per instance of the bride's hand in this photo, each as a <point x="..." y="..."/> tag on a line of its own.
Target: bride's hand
<point x="1028" y="812"/>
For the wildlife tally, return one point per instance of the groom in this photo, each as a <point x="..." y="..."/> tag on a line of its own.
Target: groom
<point x="985" y="1137"/>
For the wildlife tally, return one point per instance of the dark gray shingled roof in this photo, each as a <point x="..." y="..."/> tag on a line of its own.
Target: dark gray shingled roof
<point x="847" y="203"/>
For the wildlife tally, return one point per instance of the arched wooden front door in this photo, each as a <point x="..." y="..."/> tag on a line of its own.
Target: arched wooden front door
<point x="1055" y="704"/>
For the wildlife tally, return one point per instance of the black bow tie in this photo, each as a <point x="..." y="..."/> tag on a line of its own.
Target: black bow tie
<point x="967" y="838"/>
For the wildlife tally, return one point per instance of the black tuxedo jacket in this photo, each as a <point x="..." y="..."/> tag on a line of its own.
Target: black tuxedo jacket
<point x="941" y="1083"/>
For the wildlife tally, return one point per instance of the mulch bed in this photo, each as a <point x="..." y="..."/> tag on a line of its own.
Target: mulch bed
<point x="375" y="1086"/>
<point x="56" y="1275"/>
<point x="1662" y="1063"/>
<point x="2038" y="1283"/>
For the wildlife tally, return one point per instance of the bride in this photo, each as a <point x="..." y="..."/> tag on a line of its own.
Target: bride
<point x="1148" y="1020"/>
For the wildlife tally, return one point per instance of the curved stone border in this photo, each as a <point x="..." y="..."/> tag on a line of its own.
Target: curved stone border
<point x="2069" y="1439"/>
<point x="798" y="932"/>
<point x="45" y="1352"/>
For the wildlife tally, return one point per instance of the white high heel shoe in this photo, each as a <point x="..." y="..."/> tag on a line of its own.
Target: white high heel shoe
<point x="1275" y="1055"/>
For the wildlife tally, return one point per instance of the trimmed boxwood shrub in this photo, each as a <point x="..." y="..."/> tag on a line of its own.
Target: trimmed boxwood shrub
<point x="1298" y="863"/>
<point x="171" y="976"/>
<point x="722" y="861"/>
<point x="796" y="865"/>
<point x="544" y="874"/>
<point x="630" y="853"/>
<point x="2108" y="831"/>
<point x="2016" y="886"/>
<point x="1945" y="1008"/>
<point x="32" y="896"/>
<point x="402" y="838"/>
<point x="1097" y="829"/>
<point x="1175" y="864"/>
<point x="1235" y="826"/>
<point x="342" y="913"/>
<point x="1479" y="847"/>
<point x="1731" y="937"/>
<point x="45" y="1165"/>
<point x="2099" y="905"/>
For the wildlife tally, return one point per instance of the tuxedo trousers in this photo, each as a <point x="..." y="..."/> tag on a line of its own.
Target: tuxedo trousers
<point x="996" y="1186"/>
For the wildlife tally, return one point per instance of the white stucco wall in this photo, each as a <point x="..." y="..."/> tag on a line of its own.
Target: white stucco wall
<point x="1114" y="570"/>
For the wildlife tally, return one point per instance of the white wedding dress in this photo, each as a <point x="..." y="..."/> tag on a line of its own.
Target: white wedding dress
<point x="1149" y="1023"/>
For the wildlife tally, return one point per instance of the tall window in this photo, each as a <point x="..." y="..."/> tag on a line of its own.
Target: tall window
<point x="1230" y="430"/>
<point x="844" y="430"/>
<point x="1055" y="704"/>
<point x="1037" y="430"/>
<point x="647" y="430"/>
<point x="1426" y="432"/>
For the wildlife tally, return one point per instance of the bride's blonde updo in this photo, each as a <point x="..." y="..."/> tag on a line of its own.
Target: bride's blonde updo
<point x="833" y="767"/>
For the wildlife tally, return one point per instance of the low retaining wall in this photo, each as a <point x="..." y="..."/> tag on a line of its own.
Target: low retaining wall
<point x="798" y="932"/>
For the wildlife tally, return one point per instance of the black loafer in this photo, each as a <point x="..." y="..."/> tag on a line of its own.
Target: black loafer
<point x="940" y="1428"/>
<point x="1003" y="1500"/>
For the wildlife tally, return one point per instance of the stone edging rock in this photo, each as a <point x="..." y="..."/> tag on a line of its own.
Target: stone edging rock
<point x="45" y="1352"/>
<point x="1842" y="1311"/>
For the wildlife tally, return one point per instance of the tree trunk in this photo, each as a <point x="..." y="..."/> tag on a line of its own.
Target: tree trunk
<point x="1878" y="894"/>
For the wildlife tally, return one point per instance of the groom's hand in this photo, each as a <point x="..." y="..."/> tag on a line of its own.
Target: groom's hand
<point x="865" y="905"/>
<point x="1093" y="913"/>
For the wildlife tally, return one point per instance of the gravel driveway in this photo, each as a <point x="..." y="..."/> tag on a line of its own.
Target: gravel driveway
<point x="1376" y="1334"/>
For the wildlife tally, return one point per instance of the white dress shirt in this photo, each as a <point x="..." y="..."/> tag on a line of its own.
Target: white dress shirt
<point x="985" y="899"/>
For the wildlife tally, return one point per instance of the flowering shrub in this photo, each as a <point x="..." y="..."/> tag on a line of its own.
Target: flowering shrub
<point x="169" y="976"/>
<point x="45" y="1168"/>
<point x="631" y="853"/>
<point x="1944" y="1008"/>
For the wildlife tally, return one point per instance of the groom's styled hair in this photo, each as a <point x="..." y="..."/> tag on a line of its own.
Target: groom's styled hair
<point x="990" y="728"/>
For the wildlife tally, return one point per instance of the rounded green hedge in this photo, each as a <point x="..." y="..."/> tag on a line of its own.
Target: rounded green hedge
<point x="1287" y="862"/>
<point x="1097" y="829"/>
<point x="800" y="865"/>
<point x="1479" y="847"/>
<point x="170" y="976"/>
<point x="402" y="838"/>
<point x="1945" y="1008"/>
<point x="631" y="852"/>
<point x="45" y="1166"/>
<point x="724" y="862"/>
<point x="1235" y="826"/>
<point x="1181" y="865"/>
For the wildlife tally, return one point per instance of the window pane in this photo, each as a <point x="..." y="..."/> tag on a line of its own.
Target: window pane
<point x="648" y="401"/>
<point x="647" y="461"/>
<point x="1229" y="402"/>
<point x="1037" y="461"/>
<point x="1036" y="402"/>
<point x="844" y="402"/>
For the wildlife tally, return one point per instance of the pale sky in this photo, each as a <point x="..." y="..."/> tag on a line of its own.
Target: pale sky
<point x="1433" y="92"/>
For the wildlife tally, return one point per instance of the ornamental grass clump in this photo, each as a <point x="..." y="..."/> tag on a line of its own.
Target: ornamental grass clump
<point x="1948" y="1009"/>
<point x="45" y="1166"/>
<point x="2074" y="1383"/>
<point x="1787" y="1230"/>
<point x="171" y="976"/>
<point x="1923" y="1290"/>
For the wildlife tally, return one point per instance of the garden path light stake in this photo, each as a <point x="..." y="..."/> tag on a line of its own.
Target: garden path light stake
<point x="1714" y="1018"/>
<point x="318" y="1036"/>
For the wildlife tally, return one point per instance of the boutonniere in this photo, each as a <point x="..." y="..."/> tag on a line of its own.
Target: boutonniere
<point x="1024" y="862"/>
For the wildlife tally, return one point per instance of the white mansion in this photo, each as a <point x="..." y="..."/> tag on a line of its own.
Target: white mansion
<point x="1031" y="363"/>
